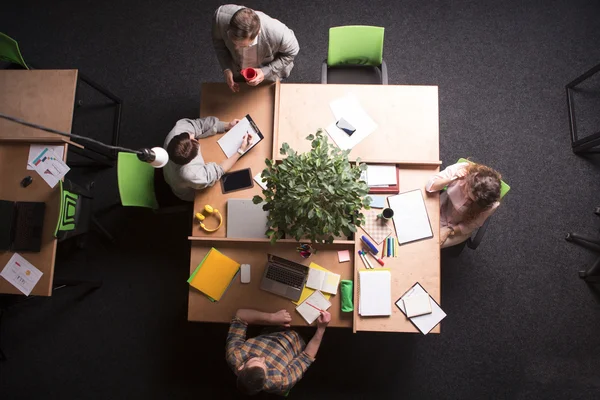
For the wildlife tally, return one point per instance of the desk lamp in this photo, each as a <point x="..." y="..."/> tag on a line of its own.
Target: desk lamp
<point x="156" y="156"/>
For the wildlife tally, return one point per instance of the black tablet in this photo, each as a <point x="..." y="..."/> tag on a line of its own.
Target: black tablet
<point x="236" y="180"/>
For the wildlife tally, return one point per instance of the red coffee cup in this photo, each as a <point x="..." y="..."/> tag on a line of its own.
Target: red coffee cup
<point x="248" y="73"/>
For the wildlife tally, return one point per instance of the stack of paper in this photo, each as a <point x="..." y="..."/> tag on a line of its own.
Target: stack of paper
<point x="322" y="280"/>
<point x="349" y="108"/>
<point x="310" y="308"/>
<point x="49" y="165"/>
<point x="375" y="293"/>
<point x="214" y="274"/>
<point x="381" y="175"/>
<point x="410" y="216"/>
<point x="21" y="274"/>
<point x="425" y="323"/>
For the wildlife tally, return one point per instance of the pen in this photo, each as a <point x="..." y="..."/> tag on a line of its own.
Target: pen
<point x="367" y="261"/>
<point x="363" y="259"/>
<point x="316" y="308"/>
<point x="379" y="260"/>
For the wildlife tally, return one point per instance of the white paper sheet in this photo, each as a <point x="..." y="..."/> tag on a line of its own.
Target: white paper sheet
<point x="231" y="141"/>
<point x="36" y="149"/>
<point x="381" y="175"/>
<point x="49" y="166"/>
<point x="309" y="312"/>
<point x="348" y="107"/>
<point x="410" y="216"/>
<point x="425" y="323"/>
<point x="21" y="274"/>
<point x="375" y="293"/>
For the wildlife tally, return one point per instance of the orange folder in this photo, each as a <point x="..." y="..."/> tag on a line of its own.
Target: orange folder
<point x="214" y="274"/>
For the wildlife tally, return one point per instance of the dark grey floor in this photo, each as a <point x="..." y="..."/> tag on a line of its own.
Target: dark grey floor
<point x="520" y="323"/>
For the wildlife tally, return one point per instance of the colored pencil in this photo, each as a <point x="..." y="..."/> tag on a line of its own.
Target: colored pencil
<point x="383" y="253"/>
<point x="316" y="308"/>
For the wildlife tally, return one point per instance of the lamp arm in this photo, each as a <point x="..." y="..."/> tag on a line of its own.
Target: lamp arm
<point x="71" y="135"/>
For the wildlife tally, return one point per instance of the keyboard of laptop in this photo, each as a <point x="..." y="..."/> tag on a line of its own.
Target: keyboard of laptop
<point x="285" y="276"/>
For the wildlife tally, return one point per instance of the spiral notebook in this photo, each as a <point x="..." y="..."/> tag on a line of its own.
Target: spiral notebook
<point x="374" y="293"/>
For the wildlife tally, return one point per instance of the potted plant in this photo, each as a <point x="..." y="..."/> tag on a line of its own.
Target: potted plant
<point x="315" y="195"/>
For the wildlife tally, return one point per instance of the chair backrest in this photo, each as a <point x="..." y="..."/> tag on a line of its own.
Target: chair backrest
<point x="356" y="44"/>
<point x="504" y="188"/>
<point x="67" y="212"/>
<point x="136" y="182"/>
<point x="9" y="50"/>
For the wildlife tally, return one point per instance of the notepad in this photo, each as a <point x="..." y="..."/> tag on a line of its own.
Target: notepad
<point x="374" y="293"/>
<point x="425" y="323"/>
<point x="410" y="216"/>
<point x="418" y="304"/>
<point x="309" y="308"/>
<point x="232" y="140"/>
<point x="214" y="274"/>
<point x="381" y="175"/>
<point x="323" y="280"/>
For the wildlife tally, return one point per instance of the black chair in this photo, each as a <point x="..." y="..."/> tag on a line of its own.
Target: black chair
<point x="592" y="274"/>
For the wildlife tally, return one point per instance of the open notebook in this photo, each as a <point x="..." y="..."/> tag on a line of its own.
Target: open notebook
<point x="374" y="293"/>
<point x="324" y="281"/>
<point x="309" y="308"/>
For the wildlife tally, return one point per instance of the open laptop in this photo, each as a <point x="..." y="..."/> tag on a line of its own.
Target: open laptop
<point x="284" y="277"/>
<point x="21" y="224"/>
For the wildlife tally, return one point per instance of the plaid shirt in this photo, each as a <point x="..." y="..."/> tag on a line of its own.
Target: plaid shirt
<point x="283" y="352"/>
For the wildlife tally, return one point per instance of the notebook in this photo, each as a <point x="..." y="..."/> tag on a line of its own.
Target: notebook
<point x="232" y="140"/>
<point x="417" y="304"/>
<point x="410" y="216"/>
<point x="246" y="219"/>
<point x="424" y="323"/>
<point x="322" y="280"/>
<point x="308" y="308"/>
<point x="374" y="293"/>
<point x="306" y="292"/>
<point x="214" y="274"/>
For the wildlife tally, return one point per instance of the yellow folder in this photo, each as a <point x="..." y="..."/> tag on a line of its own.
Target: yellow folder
<point x="214" y="274"/>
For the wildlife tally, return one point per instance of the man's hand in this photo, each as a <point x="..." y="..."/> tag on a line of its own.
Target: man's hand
<point x="234" y="86"/>
<point x="246" y="142"/>
<point x="231" y="124"/>
<point x="323" y="320"/>
<point x="281" y="317"/>
<point x="444" y="234"/>
<point x="258" y="78"/>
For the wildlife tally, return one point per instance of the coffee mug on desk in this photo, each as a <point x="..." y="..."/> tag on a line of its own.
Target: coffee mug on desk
<point x="386" y="214"/>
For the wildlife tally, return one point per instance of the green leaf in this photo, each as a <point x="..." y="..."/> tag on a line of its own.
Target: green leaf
<point x="257" y="199"/>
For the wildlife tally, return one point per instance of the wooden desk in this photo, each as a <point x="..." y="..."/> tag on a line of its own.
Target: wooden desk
<point x="406" y="117"/>
<point x="44" y="97"/>
<point x="416" y="155"/>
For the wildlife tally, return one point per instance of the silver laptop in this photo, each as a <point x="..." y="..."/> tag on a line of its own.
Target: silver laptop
<point x="284" y="277"/>
<point x="246" y="219"/>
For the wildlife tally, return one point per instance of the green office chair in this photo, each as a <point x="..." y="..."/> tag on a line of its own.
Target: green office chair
<point x="355" y="56"/>
<point x="9" y="51"/>
<point x="474" y="241"/>
<point x="75" y="213"/>
<point x="136" y="182"/>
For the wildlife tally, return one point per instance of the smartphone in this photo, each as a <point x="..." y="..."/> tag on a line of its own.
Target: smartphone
<point x="236" y="180"/>
<point x="345" y="126"/>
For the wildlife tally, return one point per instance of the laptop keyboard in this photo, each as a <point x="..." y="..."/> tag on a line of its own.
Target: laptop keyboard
<point x="285" y="276"/>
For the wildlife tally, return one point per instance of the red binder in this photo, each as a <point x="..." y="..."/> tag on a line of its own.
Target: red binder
<point x="395" y="189"/>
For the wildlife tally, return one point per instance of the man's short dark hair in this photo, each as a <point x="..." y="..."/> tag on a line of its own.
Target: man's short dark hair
<point x="244" y="24"/>
<point x="251" y="380"/>
<point x="182" y="149"/>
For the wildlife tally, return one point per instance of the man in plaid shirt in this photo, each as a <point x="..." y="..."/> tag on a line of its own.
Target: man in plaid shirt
<point x="273" y="362"/>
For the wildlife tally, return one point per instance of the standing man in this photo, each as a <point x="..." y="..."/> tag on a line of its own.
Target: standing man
<point x="272" y="362"/>
<point x="186" y="170"/>
<point x="244" y="38"/>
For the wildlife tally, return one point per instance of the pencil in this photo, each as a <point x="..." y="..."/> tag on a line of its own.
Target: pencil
<point x="316" y="308"/>
<point x="383" y="248"/>
<point x="396" y="248"/>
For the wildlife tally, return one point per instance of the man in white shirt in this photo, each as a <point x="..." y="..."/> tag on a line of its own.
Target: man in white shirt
<point x="186" y="170"/>
<point x="244" y="38"/>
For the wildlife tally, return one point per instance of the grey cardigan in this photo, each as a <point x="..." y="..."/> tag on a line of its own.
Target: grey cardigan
<point x="277" y="44"/>
<point x="186" y="179"/>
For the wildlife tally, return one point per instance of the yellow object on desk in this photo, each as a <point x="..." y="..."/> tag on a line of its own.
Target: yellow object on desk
<point x="214" y="274"/>
<point x="306" y="292"/>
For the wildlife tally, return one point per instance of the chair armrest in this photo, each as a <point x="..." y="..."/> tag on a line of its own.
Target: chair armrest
<point x="474" y="241"/>
<point x="324" y="71"/>
<point x="384" y="77"/>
